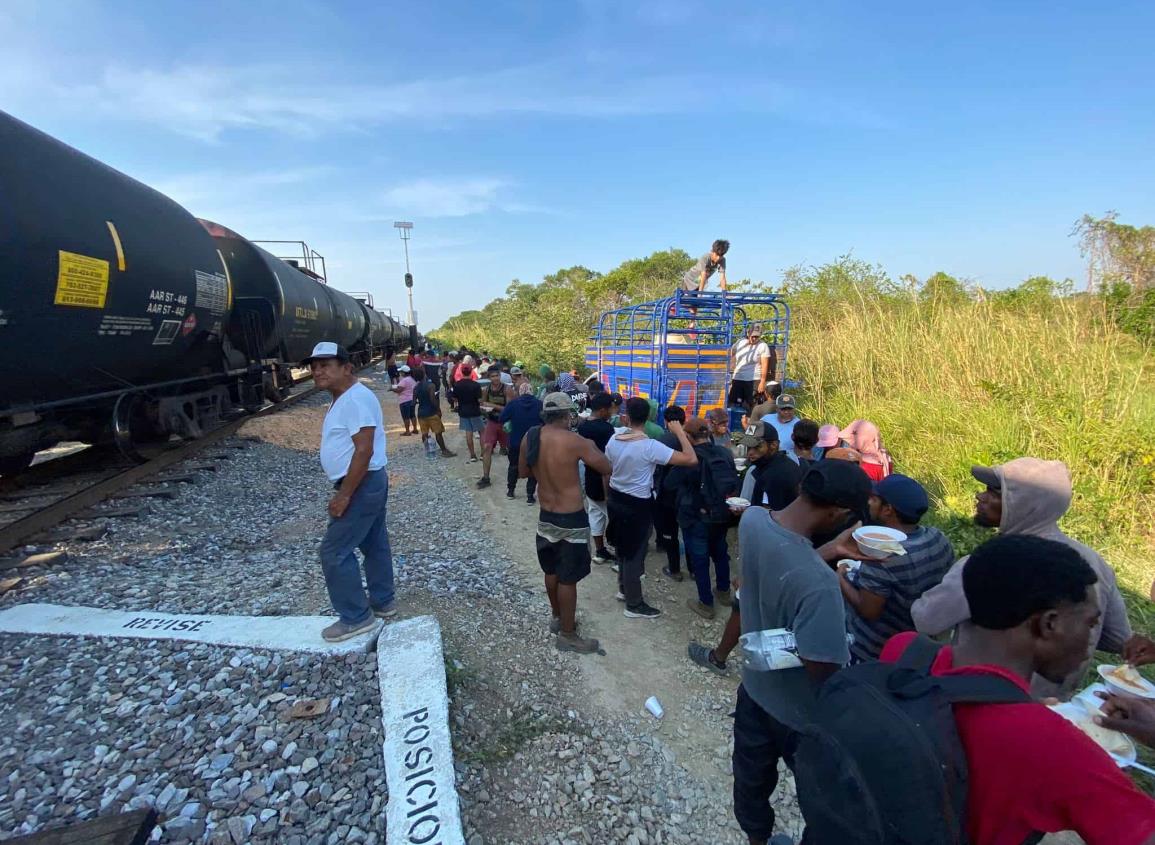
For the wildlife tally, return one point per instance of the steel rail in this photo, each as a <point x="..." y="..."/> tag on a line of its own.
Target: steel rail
<point x="17" y="532"/>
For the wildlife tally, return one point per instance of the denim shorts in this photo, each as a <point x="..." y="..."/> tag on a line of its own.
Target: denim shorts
<point x="476" y="425"/>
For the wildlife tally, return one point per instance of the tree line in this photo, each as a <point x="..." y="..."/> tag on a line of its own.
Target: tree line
<point x="550" y="322"/>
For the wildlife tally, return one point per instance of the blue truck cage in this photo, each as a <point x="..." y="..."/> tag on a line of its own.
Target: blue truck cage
<point x="676" y="350"/>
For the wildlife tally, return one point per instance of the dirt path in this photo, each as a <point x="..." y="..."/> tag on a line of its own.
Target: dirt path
<point x="643" y="657"/>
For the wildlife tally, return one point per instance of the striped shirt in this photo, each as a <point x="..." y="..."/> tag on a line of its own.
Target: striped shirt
<point x="902" y="580"/>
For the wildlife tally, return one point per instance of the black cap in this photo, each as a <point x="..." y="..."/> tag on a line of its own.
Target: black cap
<point x="599" y="401"/>
<point x="758" y="432"/>
<point x="840" y="483"/>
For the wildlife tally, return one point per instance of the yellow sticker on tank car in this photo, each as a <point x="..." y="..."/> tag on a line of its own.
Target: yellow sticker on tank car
<point x="81" y="281"/>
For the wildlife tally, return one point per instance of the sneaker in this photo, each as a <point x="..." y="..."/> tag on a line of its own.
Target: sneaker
<point x="615" y="568"/>
<point x="642" y="611"/>
<point x="572" y="642"/>
<point x="472" y="460"/>
<point x="706" y="611"/>
<point x="620" y="596"/>
<point x="340" y="631"/>
<point x="530" y="500"/>
<point x="704" y="657"/>
<point x="603" y="556"/>
<point x="483" y="482"/>
<point x="723" y="598"/>
<point x="509" y="494"/>
<point x="386" y="611"/>
<point x="673" y="576"/>
<point x="445" y="453"/>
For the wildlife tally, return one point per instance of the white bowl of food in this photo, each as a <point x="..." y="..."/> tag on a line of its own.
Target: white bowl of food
<point x="878" y="542"/>
<point x="1126" y="680"/>
<point x="738" y="503"/>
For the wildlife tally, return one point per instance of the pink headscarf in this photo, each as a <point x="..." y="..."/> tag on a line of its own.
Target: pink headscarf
<point x="863" y="436"/>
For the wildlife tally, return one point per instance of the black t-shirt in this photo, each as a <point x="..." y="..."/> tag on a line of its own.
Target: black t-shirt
<point x="779" y="480"/>
<point x="426" y="397"/>
<point x="600" y="432"/>
<point x="467" y="392"/>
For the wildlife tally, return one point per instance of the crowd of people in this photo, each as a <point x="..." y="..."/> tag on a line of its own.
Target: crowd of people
<point x="1022" y="613"/>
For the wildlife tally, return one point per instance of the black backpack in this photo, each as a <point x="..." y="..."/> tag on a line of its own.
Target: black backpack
<point x="882" y="763"/>
<point x="717" y="481"/>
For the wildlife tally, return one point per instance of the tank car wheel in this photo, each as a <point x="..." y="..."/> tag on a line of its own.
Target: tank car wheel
<point x="132" y="427"/>
<point x="15" y="464"/>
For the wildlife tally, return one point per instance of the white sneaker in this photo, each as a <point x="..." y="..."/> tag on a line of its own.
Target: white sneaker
<point x="621" y="596"/>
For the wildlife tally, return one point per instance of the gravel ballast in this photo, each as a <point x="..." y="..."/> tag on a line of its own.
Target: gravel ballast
<point x="538" y="759"/>
<point x="201" y="733"/>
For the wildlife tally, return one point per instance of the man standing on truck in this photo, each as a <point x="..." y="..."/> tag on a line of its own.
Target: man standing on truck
<point x="751" y="362"/>
<point x="694" y="280"/>
<point x="696" y="277"/>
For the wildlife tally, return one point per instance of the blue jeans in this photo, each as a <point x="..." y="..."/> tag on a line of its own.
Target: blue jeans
<point x="706" y="542"/>
<point x="362" y="526"/>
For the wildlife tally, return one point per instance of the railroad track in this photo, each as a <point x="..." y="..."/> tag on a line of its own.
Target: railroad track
<point x="75" y="494"/>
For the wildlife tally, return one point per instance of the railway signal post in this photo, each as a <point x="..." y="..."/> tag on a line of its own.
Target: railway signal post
<point x="404" y="228"/>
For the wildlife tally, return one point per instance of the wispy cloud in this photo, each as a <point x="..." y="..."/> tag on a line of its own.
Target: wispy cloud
<point x="205" y="102"/>
<point x="226" y="186"/>
<point x="452" y="197"/>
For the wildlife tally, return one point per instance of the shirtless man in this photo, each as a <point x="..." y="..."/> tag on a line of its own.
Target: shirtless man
<point x="551" y="453"/>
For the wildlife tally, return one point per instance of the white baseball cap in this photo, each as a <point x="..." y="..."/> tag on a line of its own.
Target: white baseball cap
<point x="326" y="349"/>
<point x="404" y="368"/>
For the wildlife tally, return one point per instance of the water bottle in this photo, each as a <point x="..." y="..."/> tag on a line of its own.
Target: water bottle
<point x="430" y="448"/>
<point x="768" y="651"/>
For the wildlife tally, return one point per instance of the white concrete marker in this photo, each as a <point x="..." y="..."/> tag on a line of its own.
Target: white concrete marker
<point x="422" y="807"/>
<point x="283" y="633"/>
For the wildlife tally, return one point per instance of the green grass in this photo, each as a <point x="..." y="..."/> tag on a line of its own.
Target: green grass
<point x="951" y="385"/>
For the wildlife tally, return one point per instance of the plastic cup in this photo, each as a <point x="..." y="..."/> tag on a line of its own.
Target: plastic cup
<point x="654" y="706"/>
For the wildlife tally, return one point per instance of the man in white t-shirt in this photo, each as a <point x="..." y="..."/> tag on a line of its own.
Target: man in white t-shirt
<point x="633" y="456"/>
<point x="353" y="456"/>
<point x="751" y="362"/>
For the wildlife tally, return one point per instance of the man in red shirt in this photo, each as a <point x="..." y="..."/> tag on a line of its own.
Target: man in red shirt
<point x="1033" y="608"/>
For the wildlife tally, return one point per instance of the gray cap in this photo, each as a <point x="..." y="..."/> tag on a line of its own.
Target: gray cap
<point x="987" y="476"/>
<point x="558" y="402"/>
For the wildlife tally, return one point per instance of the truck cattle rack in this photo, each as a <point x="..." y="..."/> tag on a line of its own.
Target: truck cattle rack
<point x="676" y="350"/>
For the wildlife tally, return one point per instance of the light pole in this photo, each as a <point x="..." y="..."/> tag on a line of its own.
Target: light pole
<point x="404" y="228"/>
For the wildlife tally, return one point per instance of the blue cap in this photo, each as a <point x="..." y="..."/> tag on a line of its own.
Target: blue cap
<point x="904" y="494"/>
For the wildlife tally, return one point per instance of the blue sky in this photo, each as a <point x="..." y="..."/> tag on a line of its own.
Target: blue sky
<point x="521" y="137"/>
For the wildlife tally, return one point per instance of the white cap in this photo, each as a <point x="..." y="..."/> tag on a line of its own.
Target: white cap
<point x="327" y="349"/>
<point x="404" y="368"/>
